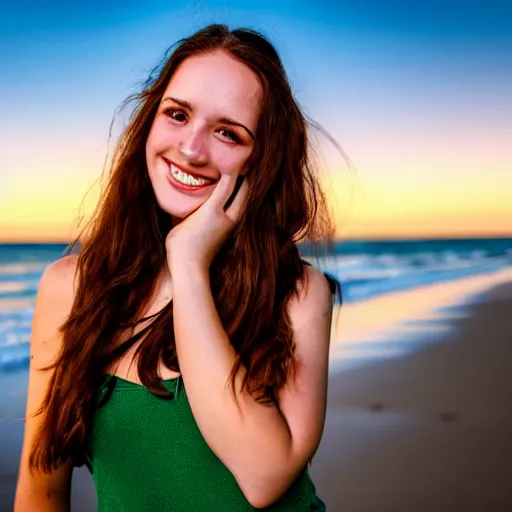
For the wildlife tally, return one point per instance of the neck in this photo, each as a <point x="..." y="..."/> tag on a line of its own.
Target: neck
<point x="165" y="282"/>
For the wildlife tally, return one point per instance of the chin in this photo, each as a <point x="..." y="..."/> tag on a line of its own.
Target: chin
<point x="179" y="208"/>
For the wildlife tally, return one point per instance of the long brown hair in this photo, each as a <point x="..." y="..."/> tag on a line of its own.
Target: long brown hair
<point x="122" y="252"/>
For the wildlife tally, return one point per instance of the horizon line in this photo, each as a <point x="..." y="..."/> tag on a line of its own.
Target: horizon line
<point x="504" y="236"/>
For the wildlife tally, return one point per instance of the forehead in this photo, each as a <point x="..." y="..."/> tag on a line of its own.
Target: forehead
<point x="217" y="84"/>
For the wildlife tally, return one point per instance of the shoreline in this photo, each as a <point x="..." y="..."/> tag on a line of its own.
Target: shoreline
<point x="390" y="326"/>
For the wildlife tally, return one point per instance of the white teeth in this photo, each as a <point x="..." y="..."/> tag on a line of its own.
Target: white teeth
<point x="185" y="178"/>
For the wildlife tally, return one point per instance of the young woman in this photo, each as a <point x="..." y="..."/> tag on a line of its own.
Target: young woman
<point x="182" y="354"/>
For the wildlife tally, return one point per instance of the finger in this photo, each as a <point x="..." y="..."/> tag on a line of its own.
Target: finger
<point x="235" y="208"/>
<point x="222" y="191"/>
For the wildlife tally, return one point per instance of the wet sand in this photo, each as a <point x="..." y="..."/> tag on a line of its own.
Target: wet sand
<point x="427" y="431"/>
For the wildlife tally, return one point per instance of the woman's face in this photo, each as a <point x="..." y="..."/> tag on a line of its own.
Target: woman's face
<point x="204" y="128"/>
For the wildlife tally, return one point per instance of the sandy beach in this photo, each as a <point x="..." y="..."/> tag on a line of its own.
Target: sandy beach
<point x="419" y="415"/>
<point x="430" y="430"/>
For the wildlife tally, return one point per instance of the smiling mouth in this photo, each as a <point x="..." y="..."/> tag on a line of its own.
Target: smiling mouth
<point x="185" y="178"/>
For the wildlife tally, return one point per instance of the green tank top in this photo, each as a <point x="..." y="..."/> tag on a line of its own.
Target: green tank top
<point x="146" y="454"/>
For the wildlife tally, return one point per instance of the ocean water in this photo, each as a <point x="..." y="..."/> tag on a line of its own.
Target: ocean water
<point x="364" y="268"/>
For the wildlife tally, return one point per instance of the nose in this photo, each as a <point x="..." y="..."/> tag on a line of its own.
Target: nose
<point x="193" y="147"/>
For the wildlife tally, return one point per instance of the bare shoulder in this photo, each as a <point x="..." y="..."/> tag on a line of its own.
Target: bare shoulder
<point x="310" y="312"/>
<point x="59" y="277"/>
<point x="314" y="298"/>
<point x="54" y="299"/>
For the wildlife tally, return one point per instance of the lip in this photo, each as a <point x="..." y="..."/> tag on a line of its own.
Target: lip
<point x="192" y="173"/>
<point x="181" y="186"/>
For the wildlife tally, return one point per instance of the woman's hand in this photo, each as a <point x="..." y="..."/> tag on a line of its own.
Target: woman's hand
<point x="196" y="240"/>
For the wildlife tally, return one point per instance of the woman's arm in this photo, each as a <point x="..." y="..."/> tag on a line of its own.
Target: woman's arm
<point x="265" y="449"/>
<point x="36" y="490"/>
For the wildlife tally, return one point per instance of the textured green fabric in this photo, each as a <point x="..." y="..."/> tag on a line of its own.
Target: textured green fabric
<point x="146" y="453"/>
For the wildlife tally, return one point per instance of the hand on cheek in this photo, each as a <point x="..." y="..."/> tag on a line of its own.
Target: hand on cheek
<point x="195" y="241"/>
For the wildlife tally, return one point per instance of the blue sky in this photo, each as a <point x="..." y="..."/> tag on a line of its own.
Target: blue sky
<point x="454" y="17"/>
<point x="102" y="49"/>
<point x="401" y="85"/>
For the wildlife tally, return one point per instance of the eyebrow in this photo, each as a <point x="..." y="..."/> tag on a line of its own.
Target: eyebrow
<point x="225" y="120"/>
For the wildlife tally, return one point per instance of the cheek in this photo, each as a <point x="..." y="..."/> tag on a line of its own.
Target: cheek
<point x="160" y="137"/>
<point x="232" y="161"/>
